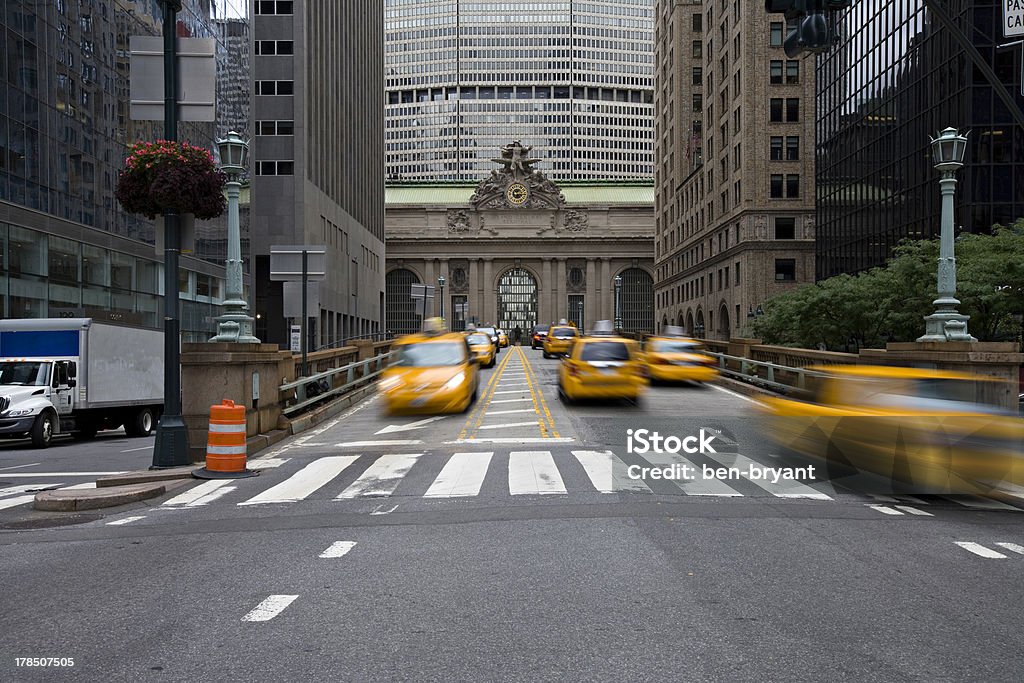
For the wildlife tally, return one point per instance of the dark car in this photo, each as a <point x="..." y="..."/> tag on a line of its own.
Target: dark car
<point x="540" y="332"/>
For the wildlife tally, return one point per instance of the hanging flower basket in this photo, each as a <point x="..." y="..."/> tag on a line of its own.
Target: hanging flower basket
<point x="163" y="176"/>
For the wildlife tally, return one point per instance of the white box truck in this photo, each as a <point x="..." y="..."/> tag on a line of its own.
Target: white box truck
<point x="77" y="376"/>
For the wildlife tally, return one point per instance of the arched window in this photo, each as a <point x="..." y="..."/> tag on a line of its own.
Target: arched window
<point x="517" y="300"/>
<point x="636" y="301"/>
<point x="401" y="311"/>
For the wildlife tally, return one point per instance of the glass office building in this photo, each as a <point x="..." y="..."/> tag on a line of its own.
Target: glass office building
<point x="897" y="78"/>
<point x="572" y="79"/>
<point x="67" y="247"/>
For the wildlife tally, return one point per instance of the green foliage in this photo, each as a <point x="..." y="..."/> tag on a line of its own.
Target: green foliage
<point x="848" y="312"/>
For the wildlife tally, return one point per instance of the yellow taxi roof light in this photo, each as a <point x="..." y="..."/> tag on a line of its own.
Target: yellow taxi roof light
<point x="673" y="331"/>
<point x="603" y="328"/>
<point x="434" y="326"/>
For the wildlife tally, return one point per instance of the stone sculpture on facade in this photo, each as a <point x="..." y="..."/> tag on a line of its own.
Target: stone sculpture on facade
<point x="517" y="185"/>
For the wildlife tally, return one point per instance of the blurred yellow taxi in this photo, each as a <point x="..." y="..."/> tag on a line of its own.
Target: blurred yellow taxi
<point x="923" y="431"/>
<point x="482" y="348"/>
<point x="675" y="358"/>
<point x="602" y="365"/>
<point x="431" y="372"/>
<point x="558" y="340"/>
<point x="502" y="338"/>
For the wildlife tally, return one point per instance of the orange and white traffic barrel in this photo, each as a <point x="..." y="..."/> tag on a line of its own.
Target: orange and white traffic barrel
<point x="225" y="444"/>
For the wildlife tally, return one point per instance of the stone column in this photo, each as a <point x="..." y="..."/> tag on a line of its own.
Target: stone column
<point x="590" y="304"/>
<point x="559" y="291"/>
<point x="442" y="271"/>
<point x="545" y="310"/>
<point x="473" y="291"/>
<point x="488" y="303"/>
<point x="605" y="287"/>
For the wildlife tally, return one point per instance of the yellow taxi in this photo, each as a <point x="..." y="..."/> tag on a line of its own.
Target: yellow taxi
<point x="602" y="365"/>
<point x="431" y="372"/>
<point x="559" y="338"/>
<point x="675" y="358"/>
<point x="502" y="338"/>
<point x="917" y="430"/>
<point x="482" y="348"/>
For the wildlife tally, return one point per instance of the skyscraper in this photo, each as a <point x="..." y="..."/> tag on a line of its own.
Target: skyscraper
<point x="571" y="79"/>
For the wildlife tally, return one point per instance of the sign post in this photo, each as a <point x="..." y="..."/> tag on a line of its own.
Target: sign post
<point x="424" y="292"/>
<point x="290" y="263"/>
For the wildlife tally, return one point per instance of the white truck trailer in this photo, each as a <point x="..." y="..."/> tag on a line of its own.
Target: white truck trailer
<point x="77" y="376"/>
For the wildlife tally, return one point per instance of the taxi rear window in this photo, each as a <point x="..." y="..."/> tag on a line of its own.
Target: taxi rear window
<point x="479" y="339"/>
<point x="563" y="332"/>
<point x="675" y="347"/>
<point x="430" y="354"/>
<point x="605" y="350"/>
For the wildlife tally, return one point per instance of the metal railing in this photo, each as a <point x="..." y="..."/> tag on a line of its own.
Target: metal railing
<point x="353" y="376"/>
<point x="765" y="374"/>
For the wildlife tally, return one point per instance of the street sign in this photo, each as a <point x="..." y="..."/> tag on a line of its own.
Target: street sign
<point x="286" y="262"/>
<point x="197" y="78"/>
<point x="296" y="339"/>
<point x="420" y="291"/>
<point x="293" y="299"/>
<point x="1013" y="18"/>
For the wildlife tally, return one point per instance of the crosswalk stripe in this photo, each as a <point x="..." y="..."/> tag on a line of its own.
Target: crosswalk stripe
<point x="981" y="550"/>
<point x="382" y="477"/>
<point x="533" y="472"/>
<point x="607" y="473"/>
<point x="1013" y="547"/>
<point x="22" y="488"/>
<point x="304" y="482"/>
<point x="463" y="475"/>
<point x="17" y="500"/>
<point x="269" y="608"/>
<point x="698" y="486"/>
<point x="782" y="489"/>
<point x="913" y="510"/>
<point x="886" y="510"/>
<point x="192" y="495"/>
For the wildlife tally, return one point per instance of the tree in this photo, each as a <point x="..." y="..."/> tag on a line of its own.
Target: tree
<point x="848" y="312"/>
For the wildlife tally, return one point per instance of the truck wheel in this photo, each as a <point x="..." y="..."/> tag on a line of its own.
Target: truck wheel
<point x="140" y="423"/>
<point x="42" y="429"/>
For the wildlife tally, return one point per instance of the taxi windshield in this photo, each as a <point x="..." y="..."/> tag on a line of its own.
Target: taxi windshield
<point x="479" y="339"/>
<point x="430" y="354"/>
<point x="674" y="346"/>
<point x="605" y="350"/>
<point x="563" y="333"/>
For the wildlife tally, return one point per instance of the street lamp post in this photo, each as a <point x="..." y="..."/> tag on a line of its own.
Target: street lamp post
<point x="946" y="324"/>
<point x="234" y="325"/>
<point x="618" y="302"/>
<point x="171" y="447"/>
<point x="440" y="283"/>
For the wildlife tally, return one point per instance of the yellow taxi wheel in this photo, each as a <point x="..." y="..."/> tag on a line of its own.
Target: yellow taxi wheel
<point x="546" y="354"/>
<point x="564" y="396"/>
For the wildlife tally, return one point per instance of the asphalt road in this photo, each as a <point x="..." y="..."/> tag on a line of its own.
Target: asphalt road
<point x="513" y="546"/>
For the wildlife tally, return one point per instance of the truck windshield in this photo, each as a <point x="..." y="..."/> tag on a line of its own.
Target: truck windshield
<point x="25" y="374"/>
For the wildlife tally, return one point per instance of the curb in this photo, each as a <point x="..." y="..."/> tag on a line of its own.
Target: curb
<point x="146" y="476"/>
<point x="90" y="499"/>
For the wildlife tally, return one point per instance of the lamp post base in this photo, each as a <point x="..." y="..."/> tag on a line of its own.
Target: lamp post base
<point x="171" y="448"/>
<point x="235" y="328"/>
<point x="946" y="326"/>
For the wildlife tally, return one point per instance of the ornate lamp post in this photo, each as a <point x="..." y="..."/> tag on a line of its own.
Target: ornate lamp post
<point x="618" y="302"/>
<point x="946" y="324"/>
<point x="234" y="325"/>
<point x="440" y="283"/>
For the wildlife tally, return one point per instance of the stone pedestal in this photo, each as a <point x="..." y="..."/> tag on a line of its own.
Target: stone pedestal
<point x="740" y="347"/>
<point x="998" y="360"/>
<point x="212" y="372"/>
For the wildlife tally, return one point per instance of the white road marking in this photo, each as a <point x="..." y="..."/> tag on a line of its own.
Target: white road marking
<point x="380" y="511"/>
<point x="26" y="475"/>
<point x="980" y="503"/>
<point x="463" y="475"/>
<point x="733" y="393"/>
<point x="506" y="385"/>
<point x="144" y="448"/>
<point x="338" y="549"/>
<point x="267" y="463"/>
<point x="608" y="474"/>
<point x="419" y="424"/>
<point x="698" y="485"/>
<point x="382" y="477"/>
<point x="512" y="400"/>
<point x="269" y="608"/>
<point x="533" y="472"/>
<point x="14" y="467"/>
<point x="885" y="509"/>
<point x="510" y="424"/>
<point x="384" y="442"/>
<point x="304" y="482"/>
<point x="913" y="511"/>
<point x="981" y="550"/>
<point x="192" y="495"/>
<point x="1013" y="547"/>
<point x="23" y="488"/>
<point x="126" y="520"/>
<point x="513" y="440"/>
<point x="508" y="412"/>
<point x="301" y="441"/>
<point x="213" y="495"/>
<point x="784" y="488"/>
<point x="512" y="391"/>
<point x="17" y="500"/>
<point x="79" y="487"/>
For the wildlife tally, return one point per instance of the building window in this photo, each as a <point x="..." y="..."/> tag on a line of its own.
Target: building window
<point x="785" y="228"/>
<point x="698" y="47"/>
<point x="792" y="72"/>
<point x="775" y="191"/>
<point x="275" y="87"/>
<point x="792" y="148"/>
<point x="275" y="168"/>
<point x="736" y="157"/>
<point x="698" y="23"/>
<point x="274" y="47"/>
<point x="785" y="270"/>
<point x="793" y="109"/>
<point x="776" y="35"/>
<point x="775" y="148"/>
<point x="698" y="102"/>
<point x="775" y="110"/>
<point x="792" y="186"/>
<point x="737" y="192"/>
<point x="698" y="75"/>
<point x="737" y="274"/>
<point x="775" y="72"/>
<point x="270" y="7"/>
<point x="275" y="128"/>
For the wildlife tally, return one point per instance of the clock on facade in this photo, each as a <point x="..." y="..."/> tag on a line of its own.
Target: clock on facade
<point x="517" y="194"/>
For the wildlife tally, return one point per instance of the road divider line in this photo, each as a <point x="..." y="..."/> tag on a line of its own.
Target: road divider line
<point x="144" y="448"/>
<point x="510" y="424"/>
<point x="126" y="520"/>
<point x="379" y="442"/>
<point x="980" y="550"/>
<point x="476" y="417"/>
<point x="512" y="400"/>
<point x="270" y="608"/>
<point x="14" y="467"/>
<point x="338" y="549"/>
<point x="26" y="475"/>
<point x="509" y="412"/>
<point x="511" y="440"/>
<point x="540" y="395"/>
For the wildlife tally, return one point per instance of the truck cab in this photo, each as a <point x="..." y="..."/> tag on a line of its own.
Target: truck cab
<point x="34" y="394"/>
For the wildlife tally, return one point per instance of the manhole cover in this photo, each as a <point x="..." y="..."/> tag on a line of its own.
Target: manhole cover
<point x="48" y="522"/>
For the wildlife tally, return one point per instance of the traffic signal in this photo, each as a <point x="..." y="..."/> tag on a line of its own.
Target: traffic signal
<point x="813" y="31"/>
